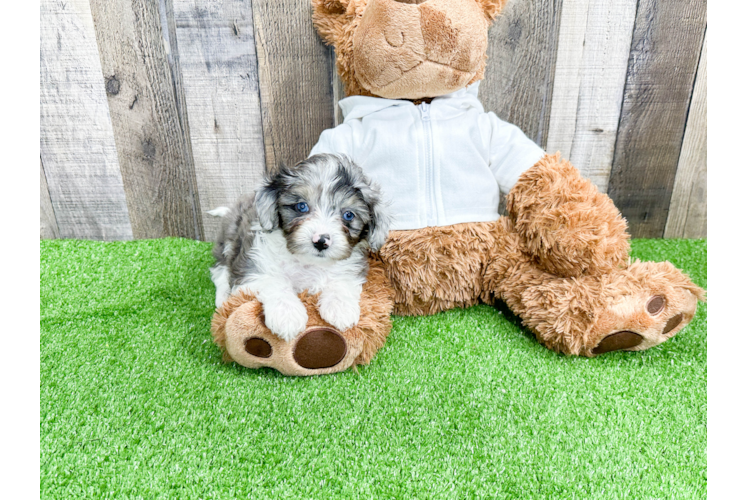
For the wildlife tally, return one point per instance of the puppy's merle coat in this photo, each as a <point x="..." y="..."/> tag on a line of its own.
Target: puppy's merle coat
<point x="307" y="228"/>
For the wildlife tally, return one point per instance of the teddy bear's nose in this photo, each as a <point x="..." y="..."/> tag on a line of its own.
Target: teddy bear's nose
<point x="414" y="2"/>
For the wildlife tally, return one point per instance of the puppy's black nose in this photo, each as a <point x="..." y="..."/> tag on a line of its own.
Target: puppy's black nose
<point x="321" y="241"/>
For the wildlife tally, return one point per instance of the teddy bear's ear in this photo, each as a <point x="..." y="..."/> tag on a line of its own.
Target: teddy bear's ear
<point x="492" y="7"/>
<point x="330" y="17"/>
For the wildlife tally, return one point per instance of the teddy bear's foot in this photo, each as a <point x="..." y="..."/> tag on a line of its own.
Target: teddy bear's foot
<point x="629" y="309"/>
<point x="644" y="338"/>
<point x="316" y="348"/>
<point x="661" y="304"/>
<point x="320" y="347"/>
<point x="619" y="341"/>
<point x="240" y="329"/>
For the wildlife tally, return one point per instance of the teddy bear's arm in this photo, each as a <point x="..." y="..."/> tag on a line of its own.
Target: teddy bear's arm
<point x="511" y="152"/>
<point x="338" y="140"/>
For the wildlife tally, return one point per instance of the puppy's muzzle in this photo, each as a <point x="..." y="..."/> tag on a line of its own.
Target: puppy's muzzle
<point x="321" y="241"/>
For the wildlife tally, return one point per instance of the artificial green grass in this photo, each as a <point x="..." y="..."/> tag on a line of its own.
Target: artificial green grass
<point x="135" y="402"/>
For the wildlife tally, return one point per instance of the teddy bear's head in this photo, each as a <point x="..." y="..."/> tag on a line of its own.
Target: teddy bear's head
<point x="407" y="49"/>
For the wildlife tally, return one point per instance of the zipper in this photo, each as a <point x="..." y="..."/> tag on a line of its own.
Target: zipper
<point x="429" y="157"/>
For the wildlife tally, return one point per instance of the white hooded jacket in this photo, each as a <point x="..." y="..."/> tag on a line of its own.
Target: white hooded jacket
<point x="438" y="164"/>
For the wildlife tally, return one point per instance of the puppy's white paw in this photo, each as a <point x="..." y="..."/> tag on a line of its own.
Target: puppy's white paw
<point x="286" y="318"/>
<point x="340" y="313"/>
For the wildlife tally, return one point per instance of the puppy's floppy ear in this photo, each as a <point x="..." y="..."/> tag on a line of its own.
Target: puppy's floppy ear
<point x="380" y="219"/>
<point x="492" y="8"/>
<point x="266" y="199"/>
<point x="266" y="203"/>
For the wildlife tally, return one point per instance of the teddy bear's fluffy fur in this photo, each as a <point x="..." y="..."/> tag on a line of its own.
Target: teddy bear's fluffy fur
<point x="559" y="259"/>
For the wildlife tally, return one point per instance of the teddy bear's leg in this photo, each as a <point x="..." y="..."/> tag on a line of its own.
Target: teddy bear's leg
<point x="631" y="308"/>
<point x="437" y="268"/>
<point x="565" y="223"/>
<point x="238" y="328"/>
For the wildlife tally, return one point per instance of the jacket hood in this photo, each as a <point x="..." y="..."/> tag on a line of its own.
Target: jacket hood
<point x="444" y="106"/>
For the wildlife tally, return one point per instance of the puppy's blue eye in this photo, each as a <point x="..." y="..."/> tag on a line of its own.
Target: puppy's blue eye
<point x="348" y="216"/>
<point x="302" y="207"/>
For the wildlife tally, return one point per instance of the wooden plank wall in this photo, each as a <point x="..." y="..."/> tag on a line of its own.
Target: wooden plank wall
<point x="522" y="47"/>
<point x="295" y="85"/>
<point x="687" y="216"/>
<point x="48" y="229"/>
<point x="593" y="51"/>
<point x="665" y="49"/>
<point x="152" y="144"/>
<point x="215" y="47"/>
<point x="155" y="112"/>
<point x="79" y="157"/>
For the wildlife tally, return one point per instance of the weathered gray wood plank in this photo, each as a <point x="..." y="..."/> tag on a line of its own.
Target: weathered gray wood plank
<point x="593" y="52"/>
<point x="219" y="72"/>
<point x="77" y="146"/>
<point x="665" y="47"/>
<point x="152" y="146"/>
<point x="518" y="82"/>
<point x="295" y="88"/>
<point x="47" y="222"/>
<point x="169" y="29"/>
<point x="687" y="216"/>
<point x="338" y="92"/>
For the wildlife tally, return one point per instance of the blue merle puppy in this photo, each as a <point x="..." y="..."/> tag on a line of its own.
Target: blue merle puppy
<point x="309" y="227"/>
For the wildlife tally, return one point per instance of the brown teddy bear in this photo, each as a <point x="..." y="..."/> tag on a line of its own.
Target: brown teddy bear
<point x="414" y="123"/>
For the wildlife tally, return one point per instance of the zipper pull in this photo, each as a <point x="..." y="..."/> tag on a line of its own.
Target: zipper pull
<point x="425" y="110"/>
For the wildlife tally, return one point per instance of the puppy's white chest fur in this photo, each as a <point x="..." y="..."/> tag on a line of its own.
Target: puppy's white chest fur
<point x="306" y="277"/>
<point x="314" y="274"/>
<point x="280" y="275"/>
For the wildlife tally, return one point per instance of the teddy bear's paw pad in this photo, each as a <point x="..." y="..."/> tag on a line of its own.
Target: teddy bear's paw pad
<point x="667" y="317"/>
<point x="258" y="347"/>
<point x="320" y="348"/>
<point x="656" y="304"/>
<point x="618" y="341"/>
<point x="644" y="320"/>
<point x="673" y="323"/>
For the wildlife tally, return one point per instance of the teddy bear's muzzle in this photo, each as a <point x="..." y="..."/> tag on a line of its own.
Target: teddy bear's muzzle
<point x="410" y="50"/>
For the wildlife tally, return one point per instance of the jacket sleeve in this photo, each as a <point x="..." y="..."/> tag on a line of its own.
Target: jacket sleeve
<point x="336" y="140"/>
<point x="511" y="152"/>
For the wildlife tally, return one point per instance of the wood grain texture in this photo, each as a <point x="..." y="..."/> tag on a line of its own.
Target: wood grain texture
<point x="47" y="221"/>
<point x="687" y="216"/>
<point x="77" y="146"/>
<point x="169" y="31"/>
<point x="593" y="52"/>
<point x="518" y="82"/>
<point x="294" y="69"/>
<point x="338" y="92"/>
<point x="219" y="72"/>
<point x="665" y="47"/>
<point x="152" y="143"/>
